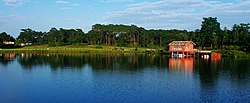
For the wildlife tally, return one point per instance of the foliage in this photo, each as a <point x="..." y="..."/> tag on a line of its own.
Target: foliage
<point x="233" y="53"/>
<point x="209" y="35"/>
<point x="124" y="35"/>
<point x="30" y="36"/>
<point x="5" y="37"/>
<point x="231" y="47"/>
<point x="99" y="47"/>
<point x="52" y="44"/>
<point x="54" y="37"/>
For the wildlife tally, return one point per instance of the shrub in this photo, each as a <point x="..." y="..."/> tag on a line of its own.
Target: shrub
<point x="61" y="44"/>
<point x="99" y="47"/>
<point x="52" y="44"/>
<point x="231" y="47"/>
<point x="233" y="53"/>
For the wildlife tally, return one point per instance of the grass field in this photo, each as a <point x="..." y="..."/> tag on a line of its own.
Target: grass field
<point x="106" y="49"/>
<point x="81" y="49"/>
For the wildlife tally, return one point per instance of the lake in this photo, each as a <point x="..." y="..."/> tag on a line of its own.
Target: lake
<point x="121" y="78"/>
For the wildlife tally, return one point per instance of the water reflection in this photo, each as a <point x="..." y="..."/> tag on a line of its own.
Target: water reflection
<point x="184" y="64"/>
<point x="7" y="58"/>
<point x="208" y="71"/>
<point x="96" y="61"/>
<point x="140" y="77"/>
<point x="219" y="77"/>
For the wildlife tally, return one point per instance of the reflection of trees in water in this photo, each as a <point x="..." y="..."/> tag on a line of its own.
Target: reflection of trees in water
<point x="96" y="61"/>
<point x="208" y="79"/>
<point x="55" y="61"/>
<point x="212" y="73"/>
<point x="239" y="69"/>
<point x="207" y="72"/>
<point x="7" y="58"/>
<point x="128" y="62"/>
<point x="4" y="62"/>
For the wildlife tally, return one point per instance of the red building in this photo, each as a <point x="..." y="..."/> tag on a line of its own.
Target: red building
<point x="181" y="48"/>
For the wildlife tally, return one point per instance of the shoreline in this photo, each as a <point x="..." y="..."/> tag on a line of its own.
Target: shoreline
<point x="79" y="49"/>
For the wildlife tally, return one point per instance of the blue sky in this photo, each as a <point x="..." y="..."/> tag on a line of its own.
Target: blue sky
<point x="41" y="15"/>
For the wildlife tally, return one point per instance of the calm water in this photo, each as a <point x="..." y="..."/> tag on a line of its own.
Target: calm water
<point x="123" y="78"/>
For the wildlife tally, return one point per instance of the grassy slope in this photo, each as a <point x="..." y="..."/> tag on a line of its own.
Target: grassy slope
<point x="79" y="49"/>
<point x="105" y="49"/>
<point x="232" y="53"/>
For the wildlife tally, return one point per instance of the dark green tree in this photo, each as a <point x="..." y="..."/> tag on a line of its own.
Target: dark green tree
<point x="225" y="40"/>
<point x="5" y="37"/>
<point x="241" y="35"/>
<point x="210" y="33"/>
<point x="27" y="36"/>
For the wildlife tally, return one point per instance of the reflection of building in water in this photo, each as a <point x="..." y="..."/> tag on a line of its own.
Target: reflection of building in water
<point x="186" y="64"/>
<point x="216" y="56"/>
<point x="9" y="56"/>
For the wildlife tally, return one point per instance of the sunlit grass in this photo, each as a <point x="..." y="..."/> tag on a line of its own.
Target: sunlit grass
<point x="81" y="49"/>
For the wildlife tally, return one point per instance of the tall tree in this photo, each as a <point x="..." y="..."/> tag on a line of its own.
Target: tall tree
<point x="5" y="37"/>
<point x="241" y="35"/>
<point x="27" y="36"/>
<point x="225" y="40"/>
<point x="53" y="35"/>
<point x="210" y="32"/>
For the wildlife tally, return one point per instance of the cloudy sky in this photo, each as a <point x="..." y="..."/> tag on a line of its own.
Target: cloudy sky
<point x="41" y="15"/>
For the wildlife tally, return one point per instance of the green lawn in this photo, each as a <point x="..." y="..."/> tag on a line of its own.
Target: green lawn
<point x="81" y="49"/>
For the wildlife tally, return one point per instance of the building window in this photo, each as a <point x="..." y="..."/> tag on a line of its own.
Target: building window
<point x="177" y="48"/>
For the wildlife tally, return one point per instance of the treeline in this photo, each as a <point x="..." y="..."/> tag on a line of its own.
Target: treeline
<point x="54" y="37"/>
<point x="5" y="37"/>
<point x="116" y="35"/>
<point x="209" y="36"/>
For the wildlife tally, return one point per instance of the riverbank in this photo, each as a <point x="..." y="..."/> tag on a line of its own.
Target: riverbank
<point x="81" y="49"/>
<point x="108" y="49"/>
<point x="233" y="53"/>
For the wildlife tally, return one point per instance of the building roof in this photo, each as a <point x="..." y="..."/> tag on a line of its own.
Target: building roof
<point x="180" y="42"/>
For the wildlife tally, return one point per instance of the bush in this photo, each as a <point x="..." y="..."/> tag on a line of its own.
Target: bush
<point x="61" y="44"/>
<point x="99" y="47"/>
<point x="166" y="48"/>
<point x="231" y="47"/>
<point x="52" y="44"/>
<point x="233" y="53"/>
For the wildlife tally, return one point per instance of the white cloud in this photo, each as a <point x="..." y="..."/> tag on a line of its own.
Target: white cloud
<point x="67" y="5"/>
<point x="76" y="4"/>
<point x="70" y="19"/>
<point x="16" y="17"/>
<point x="13" y="2"/>
<point x="180" y="14"/>
<point x="109" y="1"/>
<point x="6" y="19"/>
<point x="66" y="8"/>
<point x="62" y="2"/>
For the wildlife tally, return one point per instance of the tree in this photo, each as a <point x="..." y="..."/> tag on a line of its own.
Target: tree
<point x="240" y="35"/>
<point x="26" y="35"/>
<point x="225" y="40"/>
<point x="5" y="37"/>
<point x="53" y="35"/>
<point x="210" y="32"/>
<point x="31" y="36"/>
